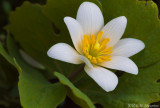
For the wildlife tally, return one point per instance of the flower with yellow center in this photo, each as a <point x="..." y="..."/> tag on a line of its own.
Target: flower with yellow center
<point x="96" y="49"/>
<point x="98" y="46"/>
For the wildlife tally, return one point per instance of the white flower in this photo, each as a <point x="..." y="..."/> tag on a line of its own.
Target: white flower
<point x="98" y="46"/>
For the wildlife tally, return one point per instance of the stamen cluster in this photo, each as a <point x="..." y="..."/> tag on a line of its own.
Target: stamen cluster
<point x="95" y="48"/>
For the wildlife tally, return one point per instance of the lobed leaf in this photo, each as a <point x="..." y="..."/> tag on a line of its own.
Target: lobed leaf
<point x="35" y="91"/>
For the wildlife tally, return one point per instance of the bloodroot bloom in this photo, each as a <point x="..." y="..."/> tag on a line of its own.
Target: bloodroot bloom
<point x="98" y="46"/>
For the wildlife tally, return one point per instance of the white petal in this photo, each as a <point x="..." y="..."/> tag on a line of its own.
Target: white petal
<point x="75" y="31"/>
<point x="128" y="47"/>
<point x="86" y="61"/>
<point x="121" y="63"/>
<point x="103" y="77"/>
<point x="114" y="30"/>
<point x="30" y="60"/>
<point x="64" y="52"/>
<point x="90" y="17"/>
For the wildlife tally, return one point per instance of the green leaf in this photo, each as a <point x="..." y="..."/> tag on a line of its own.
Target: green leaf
<point x="35" y="91"/>
<point x="36" y="36"/>
<point x="143" y="24"/>
<point x="75" y="94"/>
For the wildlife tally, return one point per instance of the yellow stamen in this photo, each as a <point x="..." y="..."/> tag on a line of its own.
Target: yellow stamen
<point x="95" y="48"/>
<point x="99" y="35"/>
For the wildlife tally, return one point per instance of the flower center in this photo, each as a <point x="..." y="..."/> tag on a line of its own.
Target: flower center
<point x="96" y="49"/>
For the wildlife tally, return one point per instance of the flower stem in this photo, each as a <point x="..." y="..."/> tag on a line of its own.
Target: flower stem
<point x="75" y="73"/>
